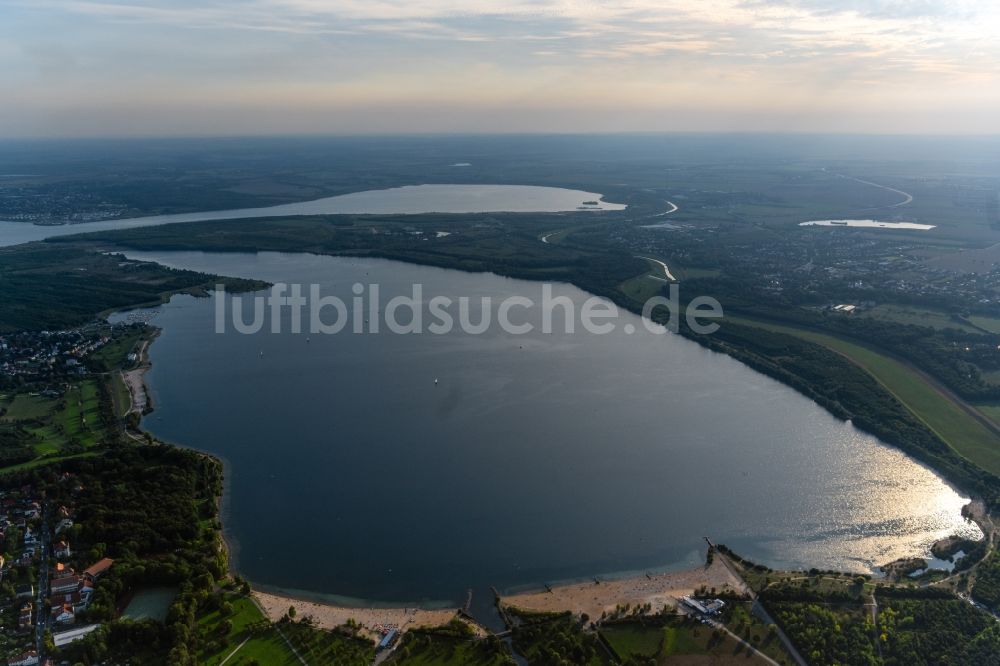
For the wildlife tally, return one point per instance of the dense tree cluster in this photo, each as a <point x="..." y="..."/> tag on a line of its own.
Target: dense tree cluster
<point x="454" y="643"/>
<point x="50" y="286"/>
<point x="152" y="509"/>
<point x="556" y="640"/>
<point x="915" y="627"/>
<point x="986" y="588"/>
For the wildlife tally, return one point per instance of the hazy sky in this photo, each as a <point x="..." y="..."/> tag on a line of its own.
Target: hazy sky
<point x="110" y="67"/>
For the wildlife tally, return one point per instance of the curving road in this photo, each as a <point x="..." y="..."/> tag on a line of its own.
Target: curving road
<point x="666" y="270"/>
<point x="907" y="197"/>
<point x="673" y="209"/>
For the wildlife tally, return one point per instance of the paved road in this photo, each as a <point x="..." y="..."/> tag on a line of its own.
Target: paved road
<point x="666" y="270"/>
<point x="907" y="197"/>
<point x="759" y="610"/>
<point x="748" y="646"/>
<point x="673" y="209"/>
<point x="43" y="617"/>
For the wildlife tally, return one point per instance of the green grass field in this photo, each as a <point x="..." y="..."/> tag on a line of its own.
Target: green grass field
<point x="73" y="419"/>
<point x="267" y="647"/>
<point x="692" y="273"/>
<point x="677" y="641"/>
<point x="640" y="289"/>
<point x="120" y="394"/>
<point x="950" y="422"/>
<point x="60" y="424"/>
<point x="24" y="407"/>
<point x="991" y="324"/>
<point x="446" y="652"/>
<point x="115" y="353"/>
<point x="45" y="461"/>
<point x="318" y="646"/>
<point x="918" y="317"/>
<point x="993" y="411"/>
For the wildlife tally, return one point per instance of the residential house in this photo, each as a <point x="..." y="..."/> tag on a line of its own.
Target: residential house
<point x="25" y="591"/>
<point x="24" y="617"/>
<point x="74" y="600"/>
<point x="65" y="584"/>
<point x="63" y="525"/>
<point x="96" y="570"/>
<point x="86" y="590"/>
<point x="26" y="659"/>
<point x="61" y="570"/>
<point x="64" y="614"/>
<point x="61" y="549"/>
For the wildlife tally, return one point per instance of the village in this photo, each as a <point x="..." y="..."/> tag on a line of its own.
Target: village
<point x="45" y="587"/>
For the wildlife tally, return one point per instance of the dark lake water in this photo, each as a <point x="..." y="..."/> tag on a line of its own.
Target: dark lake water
<point x="408" y="200"/>
<point x="535" y="458"/>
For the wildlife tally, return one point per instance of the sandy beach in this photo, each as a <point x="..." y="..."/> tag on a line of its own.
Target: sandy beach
<point x="136" y="383"/>
<point x="329" y="616"/>
<point x="660" y="590"/>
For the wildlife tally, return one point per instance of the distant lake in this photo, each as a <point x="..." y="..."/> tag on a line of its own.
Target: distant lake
<point x="874" y="224"/>
<point x="535" y="458"/>
<point x="409" y="200"/>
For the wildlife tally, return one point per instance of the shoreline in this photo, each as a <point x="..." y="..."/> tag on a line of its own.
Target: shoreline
<point x="374" y="621"/>
<point x="660" y="590"/>
<point x="135" y="379"/>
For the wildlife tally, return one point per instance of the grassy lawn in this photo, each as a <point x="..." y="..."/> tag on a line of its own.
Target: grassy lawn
<point x="60" y="427"/>
<point x="45" y="461"/>
<point x="993" y="411"/>
<point x="745" y="624"/>
<point x="24" y="407"/>
<point x="692" y="273"/>
<point x="267" y="643"/>
<point x="120" y="394"/>
<point x="640" y="289"/>
<point x="454" y="644"/>
<point x="115" y="353"/>
<point x="677" y="641"/>
<point x="445" y="652"/>
<point x="267" y="647"/>
<point x="959" y="430"/>
<point x="917" y="316"/>
<point x="73" y="419"/>
<point x="991" y="324"/>
<point x="635" y="639"/>
<point x="318" y="646"/>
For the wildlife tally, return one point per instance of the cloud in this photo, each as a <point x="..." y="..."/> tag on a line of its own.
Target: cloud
<point x="739" y="56"/>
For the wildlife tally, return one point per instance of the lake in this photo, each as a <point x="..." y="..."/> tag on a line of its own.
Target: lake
<point x="409" y="200"/>
<point x="868" y="224"/>
<point x="408" y="468"/>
